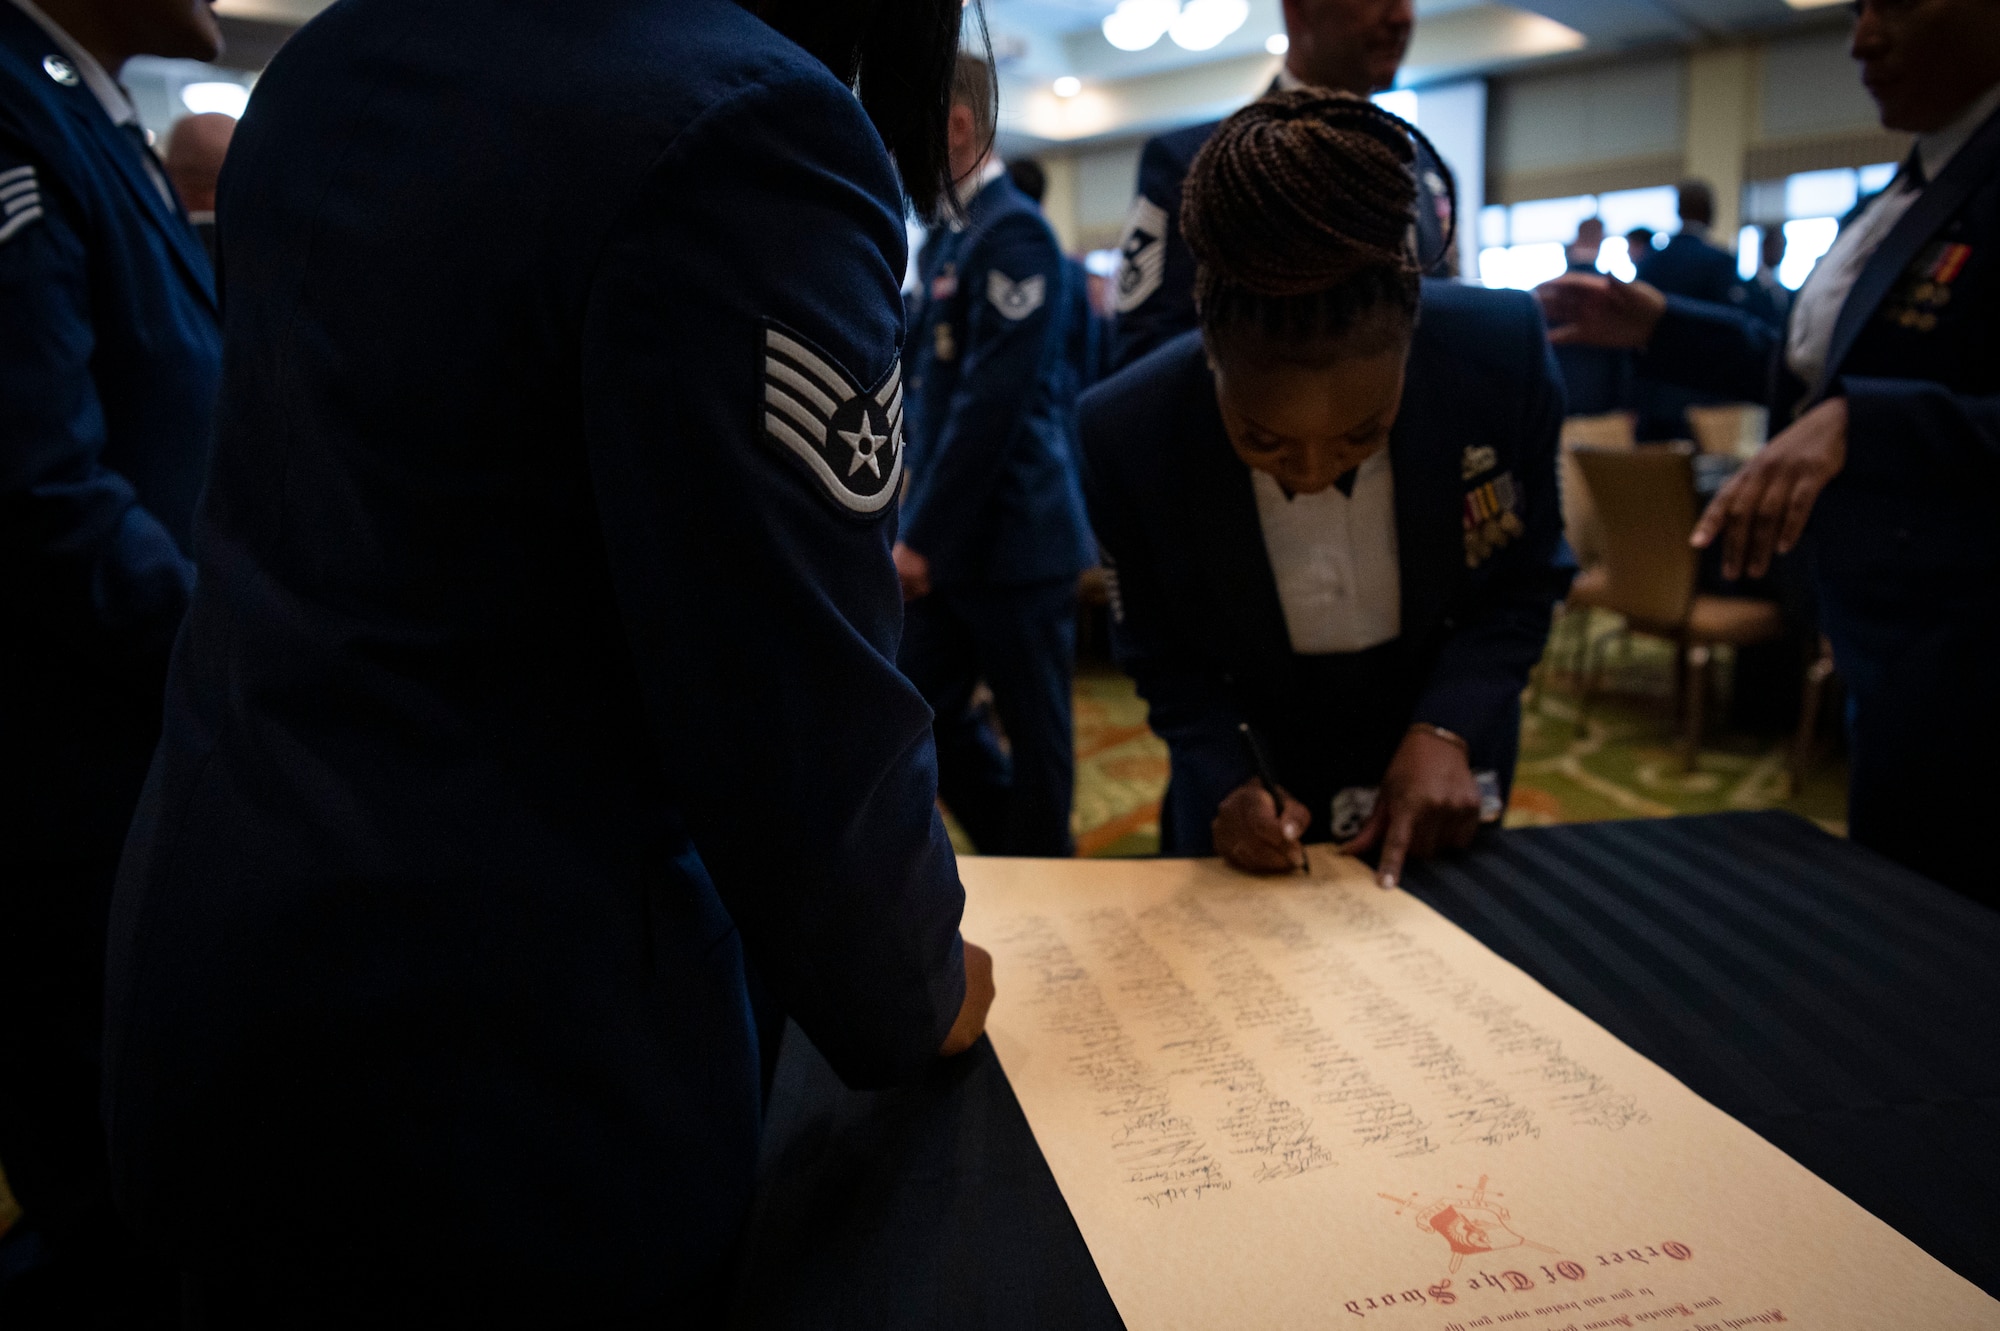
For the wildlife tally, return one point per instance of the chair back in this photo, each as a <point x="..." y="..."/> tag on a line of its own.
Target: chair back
<point x="1619" y="430"/>
<point x="1646" y="507"/>
<point x="1616" y="429"/>
<point x="1734" y="430"/>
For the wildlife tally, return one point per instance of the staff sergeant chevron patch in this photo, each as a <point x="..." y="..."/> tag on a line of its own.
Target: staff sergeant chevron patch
<point x="1016" y="300"/>
<point x="849" y="437"/>
<point x="20" y="201"/>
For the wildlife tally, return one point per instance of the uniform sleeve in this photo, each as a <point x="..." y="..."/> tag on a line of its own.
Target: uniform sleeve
<point x="1499" y="637"/>
<point x="1713" y="348"/>
<point x="762" y="610"/>
<point x="1016" y="321"/>
<point x="93" y="564"/>
<point x="1156" y="272"/>
<point x="1188" y="703"/>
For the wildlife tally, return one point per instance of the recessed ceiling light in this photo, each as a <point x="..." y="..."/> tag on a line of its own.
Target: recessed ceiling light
<point x="1277" y="43"/>
<point x="1204" y="23"/>
<point x="1067" y="86"/>
<point x="1138" y="24"/>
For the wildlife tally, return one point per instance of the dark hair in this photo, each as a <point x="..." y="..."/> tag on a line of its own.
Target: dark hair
<point x="1301" y="211"/>
<point x="1697" y="201"/>
<point x="900" y="57"/>
<point x="1029" y="177"/>
<point x="1642" y="234"/>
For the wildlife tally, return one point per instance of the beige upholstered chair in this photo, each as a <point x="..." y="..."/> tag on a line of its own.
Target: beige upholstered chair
<point x="1617" y="431"/>
<point x="1645" y="502"/>
<point x="1734" y="430"/>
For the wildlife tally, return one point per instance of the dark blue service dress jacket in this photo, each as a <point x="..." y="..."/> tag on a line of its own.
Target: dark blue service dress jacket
<point x="994" y="496"/>
<point x="109" y="353"/>
<point x="1196" y="617"/>
<point x="1696" y="268"/>
<point x="1904" y="543"/>
<point x="540" y="681"/>
<point x="1156" y="275"/>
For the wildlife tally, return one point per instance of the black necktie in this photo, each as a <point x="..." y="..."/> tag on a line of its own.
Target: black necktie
<point x="1912" y="173"/>
<point x="1345" y="484"/>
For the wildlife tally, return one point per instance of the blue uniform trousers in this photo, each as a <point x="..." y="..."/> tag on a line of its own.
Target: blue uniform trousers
<point x="1022" y="642"/>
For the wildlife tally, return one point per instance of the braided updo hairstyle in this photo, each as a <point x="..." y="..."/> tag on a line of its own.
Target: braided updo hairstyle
<point x="1301" y="212"/>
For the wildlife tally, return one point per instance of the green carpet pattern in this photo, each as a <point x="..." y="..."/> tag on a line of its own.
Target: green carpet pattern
<point x="1623" y="764"/>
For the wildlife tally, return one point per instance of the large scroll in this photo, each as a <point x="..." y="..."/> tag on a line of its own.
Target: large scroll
<point x="1292" y="1103"/>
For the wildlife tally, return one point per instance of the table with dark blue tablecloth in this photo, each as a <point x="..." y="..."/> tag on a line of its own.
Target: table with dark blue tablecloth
<point x="1843" y="1008"/>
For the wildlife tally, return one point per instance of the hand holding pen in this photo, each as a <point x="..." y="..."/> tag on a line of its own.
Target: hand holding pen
<point x="1258" y="828"/>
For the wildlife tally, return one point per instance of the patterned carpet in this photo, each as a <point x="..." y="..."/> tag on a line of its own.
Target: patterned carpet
<point x="1623" y="765"/>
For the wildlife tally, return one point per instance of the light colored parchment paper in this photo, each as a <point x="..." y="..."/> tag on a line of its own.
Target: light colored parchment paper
<point x="1312" y="1103"/>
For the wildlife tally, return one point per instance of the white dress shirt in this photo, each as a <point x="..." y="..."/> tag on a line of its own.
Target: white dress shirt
<point x="102" y="86"/>
<point x="1819" y="302"/>
<point x="1335" y="562"/>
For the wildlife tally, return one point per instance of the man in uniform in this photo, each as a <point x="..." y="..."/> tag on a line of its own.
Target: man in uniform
<point x="1889" y="375"/>
<point x="535" y="730"/>
<point x="1692" y="265"/>
<point x="109" y="354"/>
<point x="1348" y="45"/>
<point x="1089" y="334"/>
<point x="994" y="530"/>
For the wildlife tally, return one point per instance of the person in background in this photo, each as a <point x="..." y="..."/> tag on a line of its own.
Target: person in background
<point x="1887" y="452"/>
<point x="534" y="740"/>
<point x="1348" y="45"/>
<point x="994" y="533"/>
<point x="1089" y="333"/>
<point x="109" y="355"/>
<point x="1691" y="264"/>
<point x="1639" y="244"/>
<point x="195" y="148"/>
<point x="1594" y="381"/>
<point x="1582" y="252"/>
<point x="1767" y="298"/>
<point x="1330" y="513"/>
<point x="1688" y="265"/>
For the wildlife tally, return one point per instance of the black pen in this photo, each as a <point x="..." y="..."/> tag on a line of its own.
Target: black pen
<point x="1269" y="776"/>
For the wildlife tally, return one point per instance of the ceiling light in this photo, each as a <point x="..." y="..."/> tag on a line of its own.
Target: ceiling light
<point x="1812" y="4"/>
<point x="209" y="98"/>
<point x="1204" y="23"/>
<point x="1277" y="43"/>
<point x="1067" y="86"/>
<point x="1137" y="24"/>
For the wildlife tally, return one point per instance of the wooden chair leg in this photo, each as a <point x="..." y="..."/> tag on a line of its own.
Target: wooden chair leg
<point x="1579" y="646"/>
<point x="1538" y="677"/>
<point x="1586" y="686"/>
<point x="1818" y="671"/>
<point x="1680" y="681"/>
<point x="1697" y="655"/>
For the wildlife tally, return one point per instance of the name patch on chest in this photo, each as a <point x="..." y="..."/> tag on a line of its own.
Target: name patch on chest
<point x="850" y="438"/>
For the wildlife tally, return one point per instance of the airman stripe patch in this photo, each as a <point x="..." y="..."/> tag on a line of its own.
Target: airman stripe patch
<point x="849" y="437"/>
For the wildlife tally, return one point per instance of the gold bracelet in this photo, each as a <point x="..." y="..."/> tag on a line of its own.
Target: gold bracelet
<point x="1448" y="736"/>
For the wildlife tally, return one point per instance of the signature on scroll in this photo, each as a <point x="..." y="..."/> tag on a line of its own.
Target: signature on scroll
<point x="1471" y="1225"/>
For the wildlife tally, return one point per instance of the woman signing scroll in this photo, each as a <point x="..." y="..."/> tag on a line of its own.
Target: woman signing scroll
<point x="1331" y="512"/>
